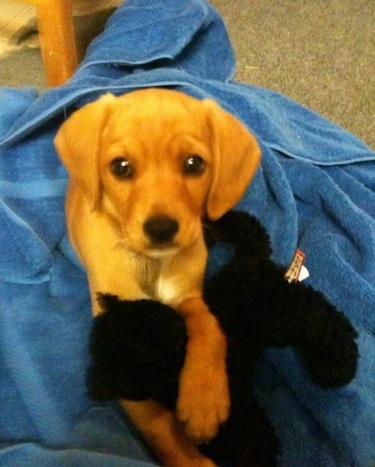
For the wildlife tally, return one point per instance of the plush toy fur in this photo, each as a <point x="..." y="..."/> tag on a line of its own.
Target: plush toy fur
<point x="138" y="348"/>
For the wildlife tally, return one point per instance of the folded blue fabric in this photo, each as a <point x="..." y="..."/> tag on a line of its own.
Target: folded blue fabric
<point x="315" y="190"/>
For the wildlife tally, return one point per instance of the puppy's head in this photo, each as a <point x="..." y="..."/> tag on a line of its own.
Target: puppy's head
<point x="156" y="161"/>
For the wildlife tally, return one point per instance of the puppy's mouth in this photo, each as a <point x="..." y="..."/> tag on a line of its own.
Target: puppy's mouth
<point x="151" y="250"/>
<point x="161" y="251"/>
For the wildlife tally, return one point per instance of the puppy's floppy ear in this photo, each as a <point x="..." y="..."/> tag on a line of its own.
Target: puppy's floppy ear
<point x="78" y="145"/>
<point x="236" y="159"/>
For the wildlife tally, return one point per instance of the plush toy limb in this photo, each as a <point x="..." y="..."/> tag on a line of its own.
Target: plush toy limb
<point x="248" y="438"/>
<point x="137" y="350"/>
<point x="255" y="439"/>
<point x="324" y="336"/>
<point x="263" y="307"/>
<point x="246" y="234"/>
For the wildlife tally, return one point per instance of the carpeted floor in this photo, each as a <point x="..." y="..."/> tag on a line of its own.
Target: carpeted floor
<point x="320" y="53"/>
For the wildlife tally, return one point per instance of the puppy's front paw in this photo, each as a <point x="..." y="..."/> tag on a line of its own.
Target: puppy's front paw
<point x="203" y="403"/>
<point x="203" y="399"/>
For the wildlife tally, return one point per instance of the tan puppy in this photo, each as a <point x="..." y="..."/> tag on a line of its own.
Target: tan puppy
<point x="144" y="169"/>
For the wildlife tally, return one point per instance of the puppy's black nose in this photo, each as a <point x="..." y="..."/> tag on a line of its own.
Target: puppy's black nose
<point x="160" y="229"/>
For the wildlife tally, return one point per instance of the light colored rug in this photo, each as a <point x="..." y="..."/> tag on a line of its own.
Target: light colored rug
<point x="20" y="58"/>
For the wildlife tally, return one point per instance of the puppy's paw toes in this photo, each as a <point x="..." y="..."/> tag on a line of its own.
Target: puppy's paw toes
<point x="202" y="410"/>
<point x="200" y="424"/>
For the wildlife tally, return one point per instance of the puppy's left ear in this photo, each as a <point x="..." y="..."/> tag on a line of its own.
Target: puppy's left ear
<point x="236" y="159"/>
<point x="78" y="144"/>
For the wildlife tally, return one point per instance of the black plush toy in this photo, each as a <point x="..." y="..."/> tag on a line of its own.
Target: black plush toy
<point x="138" y="348"/>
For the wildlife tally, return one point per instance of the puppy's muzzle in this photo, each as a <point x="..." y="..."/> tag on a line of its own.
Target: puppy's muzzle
<point x="160" y="230"/>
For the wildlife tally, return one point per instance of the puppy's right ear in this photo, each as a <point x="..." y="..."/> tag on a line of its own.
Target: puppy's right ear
<point x="78" y="144"/>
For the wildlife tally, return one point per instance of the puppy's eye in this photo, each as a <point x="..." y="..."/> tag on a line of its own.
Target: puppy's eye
<point x="122" y="168"/>
<point x="194" y="165"/>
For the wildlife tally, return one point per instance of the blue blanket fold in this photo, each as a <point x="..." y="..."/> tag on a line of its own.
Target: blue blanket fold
<point x="315" y="190"/>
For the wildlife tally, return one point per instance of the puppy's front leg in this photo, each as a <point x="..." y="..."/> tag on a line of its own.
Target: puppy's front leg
<point x="203" y="400"/>
<point x="165" y="435"/>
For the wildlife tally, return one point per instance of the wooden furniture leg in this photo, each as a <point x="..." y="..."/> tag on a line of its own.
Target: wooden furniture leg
<point x="57" y="40"/>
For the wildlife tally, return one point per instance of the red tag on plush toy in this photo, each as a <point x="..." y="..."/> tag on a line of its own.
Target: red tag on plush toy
<point x="297" y="271"/>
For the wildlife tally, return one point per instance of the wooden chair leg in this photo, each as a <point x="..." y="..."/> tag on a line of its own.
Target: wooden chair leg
<point x="57" y="40"/>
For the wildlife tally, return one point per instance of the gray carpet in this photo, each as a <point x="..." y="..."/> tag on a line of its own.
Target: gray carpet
<point x="320" y="53"/>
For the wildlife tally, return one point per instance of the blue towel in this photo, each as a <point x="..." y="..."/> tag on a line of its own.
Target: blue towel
<point x="315" y="190"/>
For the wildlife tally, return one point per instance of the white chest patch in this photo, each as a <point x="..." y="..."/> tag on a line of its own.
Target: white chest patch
<point x="166" y="290"/>
<point x="149" y="273"/>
